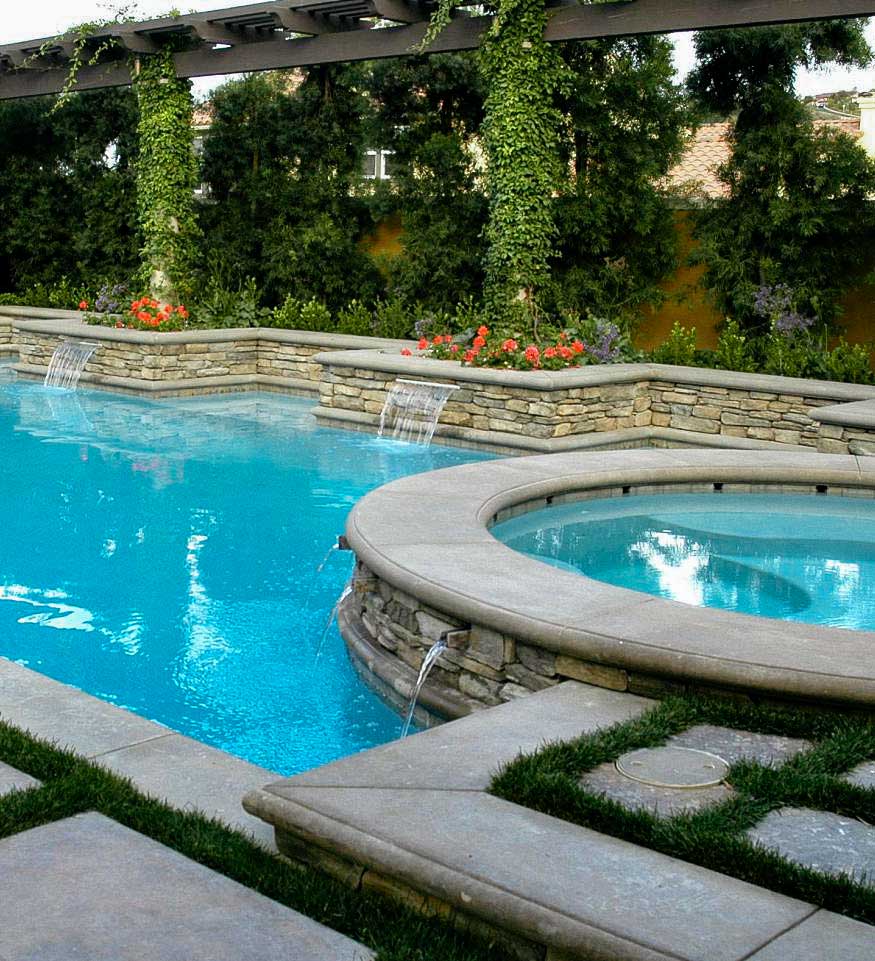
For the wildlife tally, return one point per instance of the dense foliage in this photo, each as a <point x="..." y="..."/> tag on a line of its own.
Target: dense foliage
<point x="797" y="210"/>
<point x="283" y="159"/>
<point x="428" y="111"/>
<point x="628" y="123"/>
<point x="166" y="178"/>
<point x="67" y="194"/>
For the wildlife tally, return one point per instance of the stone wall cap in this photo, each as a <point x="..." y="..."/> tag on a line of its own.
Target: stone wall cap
<point x="859" y="414"/>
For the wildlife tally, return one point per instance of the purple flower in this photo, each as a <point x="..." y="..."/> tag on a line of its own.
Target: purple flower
<point x="776" y="305"/>
<point x="112" y="299"/>
<point x="606" y="348"/>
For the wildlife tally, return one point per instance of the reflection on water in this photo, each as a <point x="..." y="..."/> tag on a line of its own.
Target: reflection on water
<point x="172" y="546"/>
<point x="792" y="557"/>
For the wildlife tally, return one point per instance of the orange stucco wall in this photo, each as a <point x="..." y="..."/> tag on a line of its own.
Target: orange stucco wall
<point x="685" y="300"/>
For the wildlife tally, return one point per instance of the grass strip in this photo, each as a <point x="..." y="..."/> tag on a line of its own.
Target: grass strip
<point x="72" y="785"/>
<point x="547" y="780"/>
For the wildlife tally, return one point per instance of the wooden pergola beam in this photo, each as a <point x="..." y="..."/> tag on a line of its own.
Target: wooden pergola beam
<point x="342" y="31"/>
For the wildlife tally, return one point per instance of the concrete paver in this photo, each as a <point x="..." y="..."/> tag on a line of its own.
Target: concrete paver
<point x="546" y="879"/>
<point x="734" y="745"/>
<point x="465" y="754"/>
<point x="87" y="887"/>
<point x="14" y="780"/>
<point x="822" y="937"/>
<point x="863" y="775"/>
<point x="190" y="775"/>
<point x="820" y="840"/>
<point x="606" y="781"/>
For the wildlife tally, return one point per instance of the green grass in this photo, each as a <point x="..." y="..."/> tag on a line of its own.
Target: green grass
<point x="72" y="785"/>
<point x="547" y="781"/>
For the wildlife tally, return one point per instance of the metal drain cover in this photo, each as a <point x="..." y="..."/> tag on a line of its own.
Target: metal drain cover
<point x="673" y="767"/>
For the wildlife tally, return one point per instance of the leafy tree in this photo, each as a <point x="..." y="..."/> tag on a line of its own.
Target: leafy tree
<point x="67" y="190"/>
<point x="628" y="124"/>
<point x="283" y="159"/>
<point x="428" y="110"/>
<point x="797" y="210"/>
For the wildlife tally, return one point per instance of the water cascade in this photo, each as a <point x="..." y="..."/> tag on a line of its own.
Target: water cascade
<point x="428" y="662"/>
<point x="67" y="363"/>
<point x="331" y="617"/>
<point x="412" y="410"/>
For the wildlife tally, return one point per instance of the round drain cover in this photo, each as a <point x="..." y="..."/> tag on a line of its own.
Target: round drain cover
<point x="673" y="767"/>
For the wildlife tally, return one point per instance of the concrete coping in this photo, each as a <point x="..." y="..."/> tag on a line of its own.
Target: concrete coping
<point x="860" y="414"/>
<point x="69" y="323"/>
<point x="389" y="362"/>
<point x="428" y="536"/>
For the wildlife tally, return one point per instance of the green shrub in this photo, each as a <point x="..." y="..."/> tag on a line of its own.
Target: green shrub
<point x="315" y="316"/>
<point x="850" y="363"/>
<point x="392" y="319"/>
<point x="679" y="348"/>
<point x="733" y="350"/>
<point x="225" y="308"/>
<point x="355" y="319"/>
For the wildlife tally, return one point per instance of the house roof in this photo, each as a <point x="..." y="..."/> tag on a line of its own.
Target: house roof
<point x="695" y="175"/>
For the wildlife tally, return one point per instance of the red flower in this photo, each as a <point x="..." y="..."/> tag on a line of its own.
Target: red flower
<point x="566" y="352"/>
<point x="144" y="316"/>
<point x="454" y="349"/>
<point x="469" y="356"/>
<point x="161" y="317"/>
<point x="577" y="347"/>
<point x="83" y="305"/>
<point x="483" y="330"/>
<point x="437" y="340"/>
<point x="509" y="345"/>
<point x="181" y="310"/>
<point x="406" y="352"/>
<point x="550" y="352"/>
<point x="533" y="355"/>
<point x="479" y="341"/>
<point x="423" y="343"/>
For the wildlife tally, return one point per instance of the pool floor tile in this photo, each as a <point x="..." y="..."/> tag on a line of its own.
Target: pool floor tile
<point x="820" y="840"/>
<point x="14" y="780"/>
<point x="87" y="887"/>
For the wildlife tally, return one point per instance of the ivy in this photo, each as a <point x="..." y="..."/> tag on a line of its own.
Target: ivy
<point x="166" y="178"/>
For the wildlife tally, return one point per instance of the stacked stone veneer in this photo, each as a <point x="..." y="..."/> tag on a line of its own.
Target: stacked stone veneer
<point x="563" y="412"/>
<point x="488" y="668"/>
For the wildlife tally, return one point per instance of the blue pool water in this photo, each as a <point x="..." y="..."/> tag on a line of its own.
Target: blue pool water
<point x="793" y="557"/>
<point x="162" y="555"/>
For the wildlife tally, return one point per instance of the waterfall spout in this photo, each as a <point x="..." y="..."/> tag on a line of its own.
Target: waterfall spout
<point x="412" y="409"/>
<point x="67" y="363"/>
<point x="428" y="662"/>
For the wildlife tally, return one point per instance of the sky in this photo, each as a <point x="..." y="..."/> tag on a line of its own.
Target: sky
<point x="45" y="18"/>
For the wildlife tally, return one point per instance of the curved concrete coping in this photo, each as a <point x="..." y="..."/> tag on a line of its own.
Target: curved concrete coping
<point x="595" y="375"/>
<point x="428" y="536"/>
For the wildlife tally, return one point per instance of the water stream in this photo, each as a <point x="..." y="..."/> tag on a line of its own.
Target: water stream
<point x="412" y="409"/>
<point x="67" y="363"/>
<point x="428" y="662"/>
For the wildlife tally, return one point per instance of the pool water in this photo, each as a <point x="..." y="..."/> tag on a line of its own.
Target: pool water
<point x="163" y="556"/>
<point x="792" y="557"/>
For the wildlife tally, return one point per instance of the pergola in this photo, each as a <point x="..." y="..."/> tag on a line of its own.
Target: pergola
<point x="298" y="33"/>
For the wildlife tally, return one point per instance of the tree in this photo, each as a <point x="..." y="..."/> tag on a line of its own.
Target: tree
<point x="797" y="211"/>
<point x="628" y="123"/>
<point x="283" y="158"/>
<point x="428" y="110"/>
<point x="67" y="196"/>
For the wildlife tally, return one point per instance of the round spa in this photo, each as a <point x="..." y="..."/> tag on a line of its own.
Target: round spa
<point x="640" y="570"/>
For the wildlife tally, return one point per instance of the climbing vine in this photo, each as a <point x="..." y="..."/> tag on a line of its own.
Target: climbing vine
<point x="166" y="178"/>
<point x="522" y="131"/>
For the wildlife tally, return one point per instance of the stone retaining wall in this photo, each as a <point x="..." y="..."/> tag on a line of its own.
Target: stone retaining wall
<point x="550" y="411"/>
<point x="490" y="668"/>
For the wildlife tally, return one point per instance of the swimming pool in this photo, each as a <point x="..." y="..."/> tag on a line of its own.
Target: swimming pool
<point x="163" y="556"/>
<point x="792" y="557"/>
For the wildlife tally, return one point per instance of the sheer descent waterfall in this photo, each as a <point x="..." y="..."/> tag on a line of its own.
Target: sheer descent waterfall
<point x="412" y="409"/>
<point x="67" y="363"/>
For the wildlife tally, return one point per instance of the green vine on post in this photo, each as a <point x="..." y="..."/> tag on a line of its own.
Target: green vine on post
<point x="166" y="177"/>
<point x="522" y="132"/>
